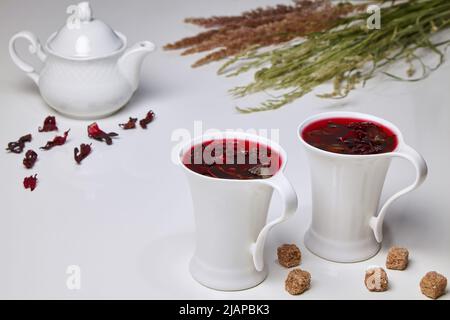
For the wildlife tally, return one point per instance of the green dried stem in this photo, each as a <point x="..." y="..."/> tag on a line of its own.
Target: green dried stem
<point x="348" y="55"/>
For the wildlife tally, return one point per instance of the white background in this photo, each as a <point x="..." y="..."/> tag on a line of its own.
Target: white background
<point x="125" y="216"/>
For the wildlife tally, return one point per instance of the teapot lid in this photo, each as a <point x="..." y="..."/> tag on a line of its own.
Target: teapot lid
<point x="85" y="37"/>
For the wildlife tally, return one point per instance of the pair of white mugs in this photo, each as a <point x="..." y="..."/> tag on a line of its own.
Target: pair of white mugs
<point x="346" y="226"/>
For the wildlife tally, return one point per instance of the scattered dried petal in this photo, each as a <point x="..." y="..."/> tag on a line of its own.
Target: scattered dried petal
<point x="30" y="182"/>
<point x="94" y="130"/>
<point x="148" y="118"/>
<point x="49" y="125"/>
<point x="30" y="159"/>
<point x="82" y="153"/>
<point x="96" y="133"/>
<point x="57" y="141"/>
<point x="18" y="146"/>
<point x="131" y="124"/>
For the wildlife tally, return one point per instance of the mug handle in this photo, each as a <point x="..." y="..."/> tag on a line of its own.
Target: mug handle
<point x="408" y="153"/>
<point x="34" y="48"/>
<point x="289" y="197"/>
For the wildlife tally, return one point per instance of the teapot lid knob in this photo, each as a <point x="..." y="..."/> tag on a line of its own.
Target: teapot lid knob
<point x="84" y="11"/>
<point x="83" y="36"/>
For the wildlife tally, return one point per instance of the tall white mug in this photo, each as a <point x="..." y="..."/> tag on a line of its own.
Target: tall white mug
<point x="230" y="219"/>
<point x="346" y="225"/>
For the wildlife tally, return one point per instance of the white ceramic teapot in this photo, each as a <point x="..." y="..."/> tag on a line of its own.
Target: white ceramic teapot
<point x="88" y="71"/>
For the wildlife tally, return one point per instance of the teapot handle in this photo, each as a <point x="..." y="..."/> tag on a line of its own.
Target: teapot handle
<point x="34" y="48"/>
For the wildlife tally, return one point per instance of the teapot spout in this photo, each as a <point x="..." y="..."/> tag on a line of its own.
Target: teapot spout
<point x="131" y="61"/>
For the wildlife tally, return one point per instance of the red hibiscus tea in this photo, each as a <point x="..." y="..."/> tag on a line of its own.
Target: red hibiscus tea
<point x="350" y="136"/>
<point x="232" y="159"/>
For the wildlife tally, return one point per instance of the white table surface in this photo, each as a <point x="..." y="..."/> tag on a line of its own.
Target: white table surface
<point x="125" y="216"/>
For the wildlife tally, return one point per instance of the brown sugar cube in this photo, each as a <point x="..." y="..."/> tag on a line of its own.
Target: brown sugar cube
<point x="376" y="279"/>
<point x="433" y="285"/>
<point x="297" y="281"/>
<point x="289" y="255"/>
<point x="397" y="258"/>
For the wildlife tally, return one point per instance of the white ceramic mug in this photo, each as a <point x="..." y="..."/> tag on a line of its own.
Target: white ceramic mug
<point x="230" y="218"/>
<point x="346" y="225"/>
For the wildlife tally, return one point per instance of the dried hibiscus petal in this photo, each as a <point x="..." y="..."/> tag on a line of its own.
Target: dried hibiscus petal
<point x="96" y="133"/>
<point x="30" y="182"/>
<point x="57" y="141"/>
<point x="131" y="124"/>
<point x="30" y="159"/>
<point x="49" y="125"/>
<point x="19" y="145"/>
<point x="148" y="118"/>
<point x="83" y="152"/>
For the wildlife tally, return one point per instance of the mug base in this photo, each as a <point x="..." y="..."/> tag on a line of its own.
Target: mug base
<point x="338" y="251"/>
<point x="225" y="280"/>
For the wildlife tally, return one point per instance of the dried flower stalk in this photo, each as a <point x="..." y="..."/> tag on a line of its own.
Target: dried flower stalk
<point x="347" y="56"/>
<point x="261" y="27"/>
